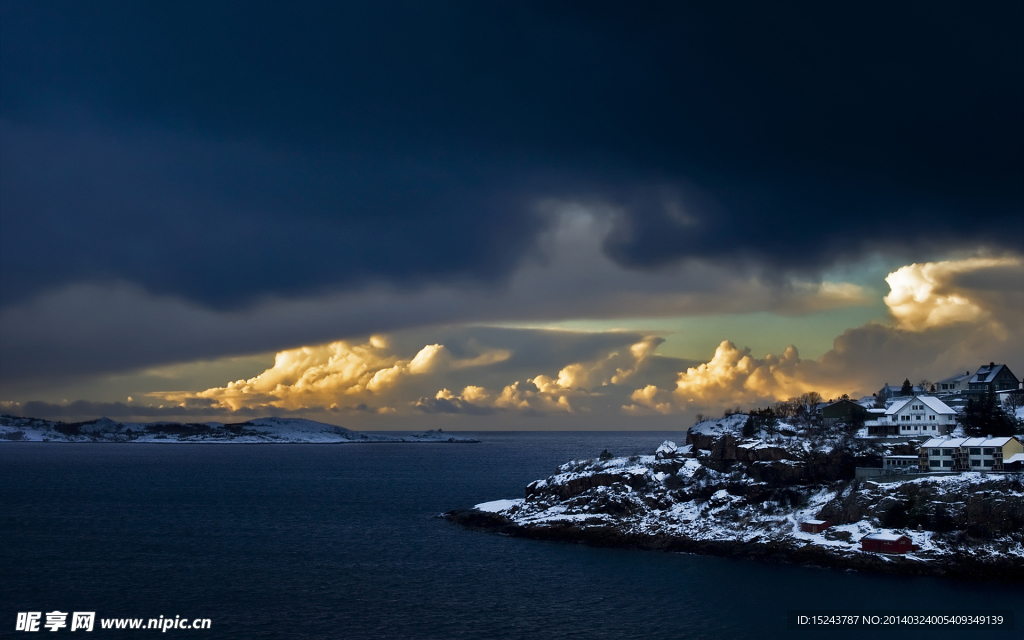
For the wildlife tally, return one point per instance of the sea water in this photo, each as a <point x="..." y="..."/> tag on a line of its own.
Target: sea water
<point x="342" y="541"/>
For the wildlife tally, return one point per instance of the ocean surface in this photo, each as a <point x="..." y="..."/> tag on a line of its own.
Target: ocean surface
<point x="342" y="541"/>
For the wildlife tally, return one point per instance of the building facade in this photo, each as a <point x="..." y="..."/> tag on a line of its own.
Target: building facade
<point x="968" y="454"/>
<point x="953" y="384"/>
<point x="920" y="416"/>
<point x="901" y="464"/>
<point x="993" y="378"/>
<point x="843" y="410"/>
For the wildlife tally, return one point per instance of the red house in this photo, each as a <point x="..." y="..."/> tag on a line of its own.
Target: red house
<point x="886" y="543"/>
<point x="815" y="526"/>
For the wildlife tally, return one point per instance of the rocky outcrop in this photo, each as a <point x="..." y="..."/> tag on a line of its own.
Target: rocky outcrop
<point x="982" y="510"/>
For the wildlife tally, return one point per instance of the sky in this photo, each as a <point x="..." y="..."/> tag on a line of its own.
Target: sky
<point x="481" y="216"/>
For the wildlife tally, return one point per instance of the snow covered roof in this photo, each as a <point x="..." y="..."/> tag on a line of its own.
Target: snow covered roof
<point x="900" y="457"/>
<point x="985" y="442"/>
<point x="890" y="537"/>
<point x="966" y="442"/>
<point x="815" y="522"/>
<point x="936" y="405"/>
<point x="1017" y="457"/>
<point x="897" y="405"/>
<point x="933" y="403"/>
<point x="987" y="373"/>
<point x="944" y="442"/>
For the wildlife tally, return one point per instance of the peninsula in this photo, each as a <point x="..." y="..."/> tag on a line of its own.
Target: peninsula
<point x="778" y="496"/>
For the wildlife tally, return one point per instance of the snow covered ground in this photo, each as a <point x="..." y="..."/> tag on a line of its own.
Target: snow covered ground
<point x="260" y="430"/>
<point x="684" y="499"/>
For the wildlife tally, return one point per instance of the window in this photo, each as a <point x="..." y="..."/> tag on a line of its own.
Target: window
<point x="947" y="463"/>
<point x="947" y="452"/>
<point x="917" y="417"/>
<point x="933" y="427"/>
<point x="975" y="451"/>
<point x="934" y="463"/>
<point x="989" y="451"/>
<point x="931" y="417"/>
<point x="936" y="452"/>
<point x="989" y="462"/>
<point x="975" y="463"/>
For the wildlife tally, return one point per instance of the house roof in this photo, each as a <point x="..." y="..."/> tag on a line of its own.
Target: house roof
<point x="933" y="403"/>
<point x="889" y="537"/>
<point x="987" y="373"/>
<point x="1017" y="457"/>
<point x="897" y="405"/>
<point x="839" y="401"/>
<point x="815" y="522"/>
<point x="966" y="442"/>
<point x="898" y="388"/>
<point x="900" y="457"/>
<point x="943" y="442"/>
<point x="955" y="378"/>
<point x="936" y="405"/>
<point x="986" y="442"/>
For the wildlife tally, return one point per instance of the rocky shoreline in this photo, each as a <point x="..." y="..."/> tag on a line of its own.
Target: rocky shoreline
<point x="726" y="495"/>
<point x="773" y="551"/>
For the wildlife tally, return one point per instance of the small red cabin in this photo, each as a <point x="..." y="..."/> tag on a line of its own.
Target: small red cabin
<point x="815" y="526"/>
<point x="886" y="543"/>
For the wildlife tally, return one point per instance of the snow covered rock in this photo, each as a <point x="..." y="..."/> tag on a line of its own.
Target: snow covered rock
<point x="667" y="450"/>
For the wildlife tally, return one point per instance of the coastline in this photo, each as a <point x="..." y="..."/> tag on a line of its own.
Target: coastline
<point x="774" y="551"/>
<point x="785" y="498"/>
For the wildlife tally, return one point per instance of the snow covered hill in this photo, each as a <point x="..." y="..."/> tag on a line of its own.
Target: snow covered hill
<point x="260" y="430"/>
<point x="722" y="500"/>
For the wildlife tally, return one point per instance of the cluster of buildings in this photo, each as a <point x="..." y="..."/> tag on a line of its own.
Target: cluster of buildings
<point x="930" y="413"/>
<point x="933" y="412"/>
<point x="960" y="454"/>
<point x="971" y="454"/>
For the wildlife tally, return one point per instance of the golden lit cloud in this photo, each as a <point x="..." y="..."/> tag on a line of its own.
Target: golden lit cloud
<point x="733" y="376"/>
<point x="926" y="295"/>
<point x="564" y="393"/>
<point x="337" y="374"/>
<point x="648" y="399"/>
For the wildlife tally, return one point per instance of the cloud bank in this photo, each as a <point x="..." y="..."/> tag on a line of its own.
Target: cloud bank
<point x="333" y="376"/>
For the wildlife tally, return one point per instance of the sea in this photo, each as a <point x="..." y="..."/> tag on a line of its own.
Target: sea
<point x="344" y="541"/>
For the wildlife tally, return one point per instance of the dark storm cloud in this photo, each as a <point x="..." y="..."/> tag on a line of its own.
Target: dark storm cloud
<point x="453" y="406"/>
<point x="227" y="151"/>
<point x="80" y="408"/>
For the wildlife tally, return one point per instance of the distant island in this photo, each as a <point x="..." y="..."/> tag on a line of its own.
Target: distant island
<point x="259" y="431"/>
<point x="782" y="495"/>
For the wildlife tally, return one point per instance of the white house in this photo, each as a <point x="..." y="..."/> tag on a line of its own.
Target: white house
<point x="921" y="416"/>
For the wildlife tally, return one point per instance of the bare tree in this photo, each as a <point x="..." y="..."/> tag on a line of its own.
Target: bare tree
<point x="786" y="408"/>
<point x="1013" y="401"/>
<point x="807" y="408"/>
